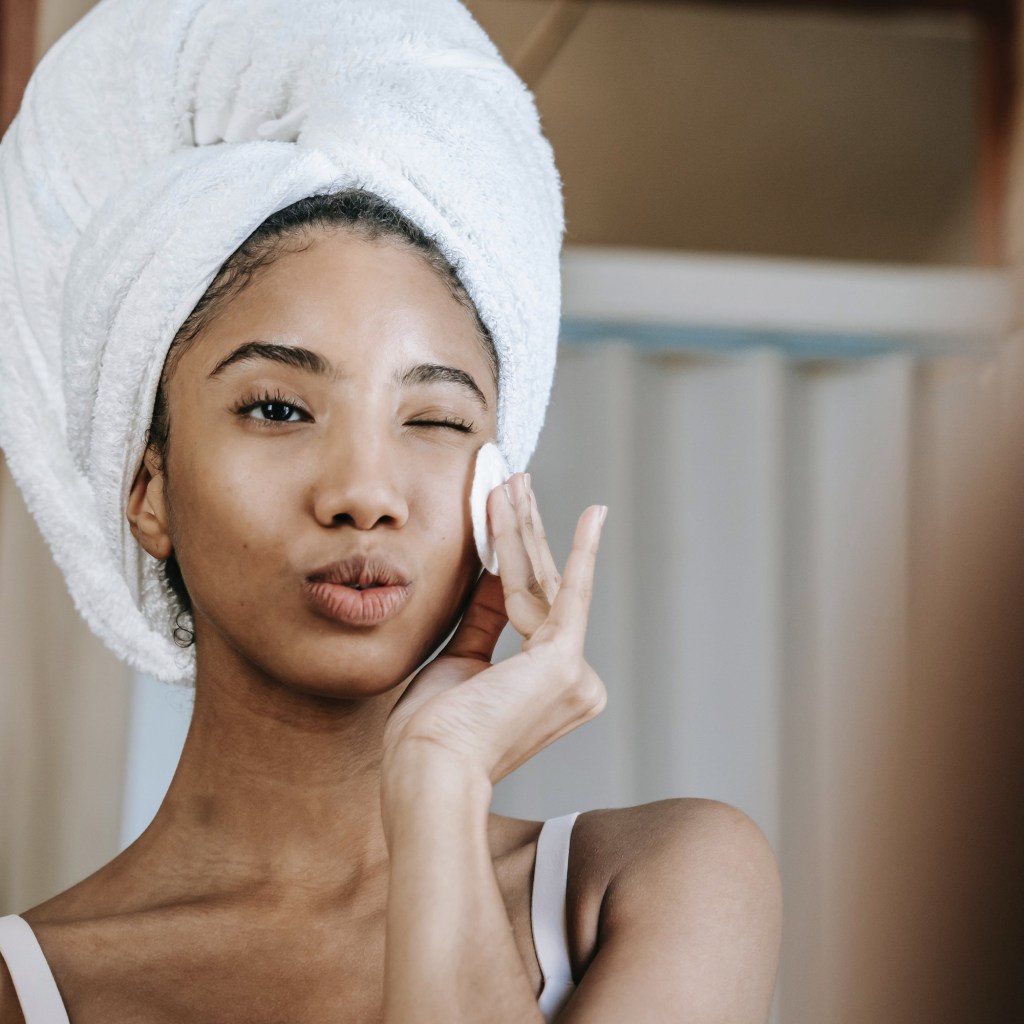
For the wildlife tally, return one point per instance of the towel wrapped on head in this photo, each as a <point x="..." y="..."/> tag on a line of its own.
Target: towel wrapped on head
<point x="153" y="138"/>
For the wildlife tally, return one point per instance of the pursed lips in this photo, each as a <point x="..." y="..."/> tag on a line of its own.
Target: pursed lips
<point x="361" y="590"/>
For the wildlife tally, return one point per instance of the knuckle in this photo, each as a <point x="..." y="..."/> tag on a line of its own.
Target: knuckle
<point x="502" y="529"/>
<point x="535" y="588"/>
<point x="585" y="589"/>
<point x="586" y="564"/>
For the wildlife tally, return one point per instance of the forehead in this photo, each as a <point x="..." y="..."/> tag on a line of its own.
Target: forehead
<point x="366" y="306"/>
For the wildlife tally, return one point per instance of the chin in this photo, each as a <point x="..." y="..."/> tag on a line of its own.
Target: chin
<point x="345" y="685"/>
<point x="348" y="667"/>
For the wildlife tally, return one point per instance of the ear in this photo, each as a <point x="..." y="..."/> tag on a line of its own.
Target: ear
<point x="147" y="508"/>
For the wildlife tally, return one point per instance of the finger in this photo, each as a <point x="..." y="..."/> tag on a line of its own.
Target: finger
<point x="550" y="569"/>
<point x="525" y="600"/>
<point x="482" y="623"/>
<point x="572" y="605"/>
<point x="536" y="542"/>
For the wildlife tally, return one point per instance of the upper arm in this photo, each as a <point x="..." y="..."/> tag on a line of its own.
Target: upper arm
<point x="690" y="924"/>
<point x="10" y="1007"/>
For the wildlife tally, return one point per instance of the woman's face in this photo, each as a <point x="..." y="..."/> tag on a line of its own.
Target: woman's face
<point x="323" y="433"/>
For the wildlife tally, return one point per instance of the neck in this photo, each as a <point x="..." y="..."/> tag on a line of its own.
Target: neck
<point x="275" y="789"/>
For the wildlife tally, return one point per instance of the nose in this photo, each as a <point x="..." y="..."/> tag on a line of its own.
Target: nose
<point x="358" y="485"/>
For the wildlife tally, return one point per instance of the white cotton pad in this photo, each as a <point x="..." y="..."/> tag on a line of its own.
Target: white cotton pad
<point x="491" y="471"/>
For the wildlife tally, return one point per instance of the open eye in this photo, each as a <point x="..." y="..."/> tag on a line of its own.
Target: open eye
<point x="268" y="408"/>
<point x="279" y="412"/>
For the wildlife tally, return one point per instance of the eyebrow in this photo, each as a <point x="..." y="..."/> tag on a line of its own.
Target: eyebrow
<point x="433" y="373"/>
<point x="289" y="355"/>
<point x="313" y="362"/>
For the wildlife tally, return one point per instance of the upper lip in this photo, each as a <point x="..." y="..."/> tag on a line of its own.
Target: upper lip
<point x="361" y="571"/>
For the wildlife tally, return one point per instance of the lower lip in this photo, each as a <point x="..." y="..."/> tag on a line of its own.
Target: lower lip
<point x="357" y="607"/>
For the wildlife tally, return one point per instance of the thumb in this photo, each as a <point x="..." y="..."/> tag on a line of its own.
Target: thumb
<point x="482" y="623"/>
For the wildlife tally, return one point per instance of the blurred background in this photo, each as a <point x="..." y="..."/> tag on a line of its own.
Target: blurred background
<point x="788" y="358"/>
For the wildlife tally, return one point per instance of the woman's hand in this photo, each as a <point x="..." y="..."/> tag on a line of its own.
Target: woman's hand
<point x="493" y="718"/>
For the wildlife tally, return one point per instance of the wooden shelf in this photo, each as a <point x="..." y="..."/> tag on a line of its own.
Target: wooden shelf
<point x="1001" y="12"/>
<point x="997" y="88"/>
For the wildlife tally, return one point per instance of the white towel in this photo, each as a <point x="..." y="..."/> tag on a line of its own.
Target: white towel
<point x="153" y="138"/>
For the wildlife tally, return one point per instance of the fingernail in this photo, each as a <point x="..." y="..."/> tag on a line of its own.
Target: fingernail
<point x="526" y="480"/>
<point x="508" y="493"/>
<point x="520" y="490"/>
<point x="603" y="516"/>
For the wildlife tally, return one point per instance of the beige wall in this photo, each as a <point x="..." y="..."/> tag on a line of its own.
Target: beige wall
<point x="814" y="135"/>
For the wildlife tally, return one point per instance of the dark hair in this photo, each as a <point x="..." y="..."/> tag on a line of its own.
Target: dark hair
<point x="290" y="230"/>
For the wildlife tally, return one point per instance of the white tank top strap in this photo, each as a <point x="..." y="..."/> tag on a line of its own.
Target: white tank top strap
<point x="548" y="917"/>
<point x="33" y="980"/>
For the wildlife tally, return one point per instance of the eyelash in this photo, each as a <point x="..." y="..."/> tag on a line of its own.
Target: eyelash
<point x="265" y="398"/>
<point x="464" y="426"/>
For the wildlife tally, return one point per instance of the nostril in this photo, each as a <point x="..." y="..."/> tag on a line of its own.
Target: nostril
<point x="348" y="519"/>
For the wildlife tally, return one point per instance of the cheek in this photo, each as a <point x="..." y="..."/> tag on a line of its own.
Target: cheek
<point x="227" y="515"/>
<point x="444" y="508"/>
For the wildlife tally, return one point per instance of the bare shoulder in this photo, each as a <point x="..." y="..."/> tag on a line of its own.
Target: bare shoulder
<point x="10" y="1008"/>
<point x="676" y="839"/>
<point x="61" y="925"/>
<point x="674" y="904"/>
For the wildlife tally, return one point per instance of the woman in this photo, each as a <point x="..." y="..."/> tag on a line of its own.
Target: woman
<point x="299" y="504"/>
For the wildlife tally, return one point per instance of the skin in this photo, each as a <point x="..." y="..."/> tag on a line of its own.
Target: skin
<point x="326" y="850"/>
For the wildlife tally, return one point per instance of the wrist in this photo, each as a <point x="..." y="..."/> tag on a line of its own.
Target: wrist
<point x="420" y="780"/>
<point x="417" y="756"/>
